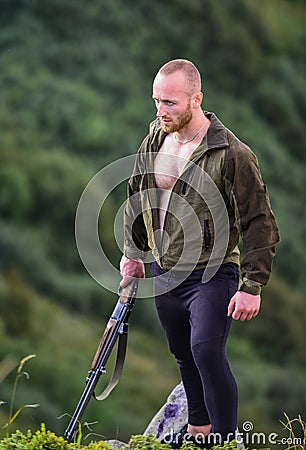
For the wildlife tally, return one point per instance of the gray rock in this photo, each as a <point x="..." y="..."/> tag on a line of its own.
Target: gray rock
<point x="172" y="416"/>
<point x="115" y="445"/>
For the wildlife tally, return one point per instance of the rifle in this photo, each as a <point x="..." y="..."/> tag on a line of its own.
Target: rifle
<point x="117" y="327"/>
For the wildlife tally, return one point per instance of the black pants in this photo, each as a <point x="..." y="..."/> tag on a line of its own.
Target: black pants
<point x="194" y="317"/>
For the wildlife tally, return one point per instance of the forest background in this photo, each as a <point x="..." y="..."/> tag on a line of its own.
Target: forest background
<point x="75" y="95"/>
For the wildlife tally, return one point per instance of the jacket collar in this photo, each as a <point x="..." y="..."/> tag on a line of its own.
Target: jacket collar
<point x="217" y="133"/>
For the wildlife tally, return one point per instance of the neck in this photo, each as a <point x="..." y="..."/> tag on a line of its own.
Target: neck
<point x="191" y="132"/>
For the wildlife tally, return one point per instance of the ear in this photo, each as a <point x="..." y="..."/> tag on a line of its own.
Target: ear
<point x="197" y="99"/>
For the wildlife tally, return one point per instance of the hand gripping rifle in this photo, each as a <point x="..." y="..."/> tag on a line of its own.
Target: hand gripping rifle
<point x="117" y="327"/>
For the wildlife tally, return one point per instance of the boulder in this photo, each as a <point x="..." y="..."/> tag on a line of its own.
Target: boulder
<point x="172" y="416"/>
<point x="115" y="445"/>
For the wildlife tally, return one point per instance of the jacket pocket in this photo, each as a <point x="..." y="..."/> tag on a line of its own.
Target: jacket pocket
<point x="206" y="234"/>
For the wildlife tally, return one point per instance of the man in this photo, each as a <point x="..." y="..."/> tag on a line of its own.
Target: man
<point x="189" y="170"/>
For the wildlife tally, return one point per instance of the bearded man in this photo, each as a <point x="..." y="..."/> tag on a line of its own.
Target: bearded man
<point x="195" y="191"/>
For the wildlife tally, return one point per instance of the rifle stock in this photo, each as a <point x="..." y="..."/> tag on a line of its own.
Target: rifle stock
<point x="117" y="326"/>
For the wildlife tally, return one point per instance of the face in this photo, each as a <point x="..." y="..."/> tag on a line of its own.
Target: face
<point x="172" y="101"/>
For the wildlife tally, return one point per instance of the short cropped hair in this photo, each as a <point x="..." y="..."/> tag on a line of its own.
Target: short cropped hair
<point x="191" y="72"/>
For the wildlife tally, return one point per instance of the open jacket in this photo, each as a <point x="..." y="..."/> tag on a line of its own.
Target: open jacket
<point x="218" y="198"/>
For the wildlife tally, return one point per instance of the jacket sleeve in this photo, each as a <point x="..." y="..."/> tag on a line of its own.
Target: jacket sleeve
<point x="254" y="217"/>
<point x="135" y="235"/>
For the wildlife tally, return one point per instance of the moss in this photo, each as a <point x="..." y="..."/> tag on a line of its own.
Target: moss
<point x="44" y="439"/>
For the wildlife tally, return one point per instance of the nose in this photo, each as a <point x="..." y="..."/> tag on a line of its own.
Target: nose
<point x="161" y="111"/>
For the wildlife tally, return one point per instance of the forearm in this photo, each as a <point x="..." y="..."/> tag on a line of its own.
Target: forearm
<point x="135" y="236"/>
<point x="256" y="265"/>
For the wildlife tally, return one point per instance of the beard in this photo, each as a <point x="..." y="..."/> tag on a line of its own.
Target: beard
<point x="180" y="122"/>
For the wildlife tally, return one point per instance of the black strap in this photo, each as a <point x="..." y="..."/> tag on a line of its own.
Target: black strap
<point x="121" y="352"/>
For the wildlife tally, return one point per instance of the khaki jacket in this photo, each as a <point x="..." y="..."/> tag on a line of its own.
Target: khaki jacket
<point x="219" y="197"/>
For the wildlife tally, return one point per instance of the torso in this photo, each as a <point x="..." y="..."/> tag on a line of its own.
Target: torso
<point x="168" y="166"/>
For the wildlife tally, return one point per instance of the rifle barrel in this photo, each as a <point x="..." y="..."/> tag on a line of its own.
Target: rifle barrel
<point x="117" y="324"/>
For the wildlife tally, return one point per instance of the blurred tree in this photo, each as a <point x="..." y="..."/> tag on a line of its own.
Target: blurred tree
<point x="17" y="306"/>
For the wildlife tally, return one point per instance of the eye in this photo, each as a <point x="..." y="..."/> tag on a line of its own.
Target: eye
<point x="165" y="102"/>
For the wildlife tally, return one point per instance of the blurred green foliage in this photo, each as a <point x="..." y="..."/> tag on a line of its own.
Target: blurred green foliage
<point x="75" y="84"/>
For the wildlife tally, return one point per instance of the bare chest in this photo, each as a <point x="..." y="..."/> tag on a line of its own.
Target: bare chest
<point x="170" y="162"/>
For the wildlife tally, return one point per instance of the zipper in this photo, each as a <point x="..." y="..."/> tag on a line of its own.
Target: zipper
<point x="184" y="190"/>
<point x="207" y="235"/>
<point x="188" y="171"/>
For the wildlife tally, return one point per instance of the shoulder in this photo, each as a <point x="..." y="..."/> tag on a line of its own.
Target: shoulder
<point x="238" y="156"/>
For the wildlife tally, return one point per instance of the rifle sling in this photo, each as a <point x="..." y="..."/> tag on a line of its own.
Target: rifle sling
<point x="121" y="352"/>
